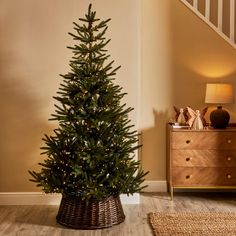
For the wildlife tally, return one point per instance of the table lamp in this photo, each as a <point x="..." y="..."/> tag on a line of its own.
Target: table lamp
<point x="219" y="94"/>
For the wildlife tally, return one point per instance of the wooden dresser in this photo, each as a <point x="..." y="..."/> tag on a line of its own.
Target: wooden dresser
<point x="201" y="158"/>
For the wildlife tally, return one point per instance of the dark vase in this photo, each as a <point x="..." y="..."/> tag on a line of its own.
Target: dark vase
<point x="219" y="118"/>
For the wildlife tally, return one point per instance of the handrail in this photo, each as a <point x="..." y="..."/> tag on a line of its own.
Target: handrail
<point x="221" y="17"/>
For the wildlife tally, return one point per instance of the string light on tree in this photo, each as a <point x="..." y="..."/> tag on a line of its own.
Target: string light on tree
<point x="89" y="154"/>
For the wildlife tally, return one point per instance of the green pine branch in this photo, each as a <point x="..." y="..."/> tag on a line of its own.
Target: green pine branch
<point x="91" y="152"/>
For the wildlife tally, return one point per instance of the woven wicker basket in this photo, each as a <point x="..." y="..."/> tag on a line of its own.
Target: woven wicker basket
<point x="75" y="213"/>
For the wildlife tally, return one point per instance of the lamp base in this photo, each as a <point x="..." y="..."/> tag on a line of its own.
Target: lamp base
<point x="219" y="118"/>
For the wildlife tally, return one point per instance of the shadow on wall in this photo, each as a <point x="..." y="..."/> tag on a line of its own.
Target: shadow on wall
<point x="180" y="59"/>
<point x="199" y="56"/>
<point x="21" y="128"/>
<point x="155" y="143"/>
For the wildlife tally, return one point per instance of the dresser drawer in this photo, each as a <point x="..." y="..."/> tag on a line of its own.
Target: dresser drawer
<point x="203" y="176"/>
<point x="203" y="140"/>
<point x="203" y="158"/>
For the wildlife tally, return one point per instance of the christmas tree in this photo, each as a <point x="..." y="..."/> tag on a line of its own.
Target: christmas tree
<point x="91" y="153"/>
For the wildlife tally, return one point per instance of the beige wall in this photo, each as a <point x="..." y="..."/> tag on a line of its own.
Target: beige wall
<point x="157" y="90"/>
<point x="32" y="54"/>
<point x="180" y="54"/>
<point x="167" y="55"/>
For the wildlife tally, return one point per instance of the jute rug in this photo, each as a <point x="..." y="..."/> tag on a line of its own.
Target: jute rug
<point x="196" y="224"/>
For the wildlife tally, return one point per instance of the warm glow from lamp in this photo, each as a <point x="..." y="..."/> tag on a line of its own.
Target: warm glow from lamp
<point x="219" y="94"/>
<point x="210" y="66"/>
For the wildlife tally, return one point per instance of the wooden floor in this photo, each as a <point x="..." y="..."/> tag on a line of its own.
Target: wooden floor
<point x="40" y="220"/>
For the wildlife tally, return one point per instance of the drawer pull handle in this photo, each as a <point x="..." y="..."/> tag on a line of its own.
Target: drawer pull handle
<point x="228" y="176"/>
<point x="188" y="141"/>
<point x="188" y="176"/>
<point x="188" y="159"/>
<point x="229" y="141"/>
<point x="229" y="158"/>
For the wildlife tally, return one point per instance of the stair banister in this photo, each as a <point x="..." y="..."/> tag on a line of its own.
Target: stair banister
<point x="220" y="14"/>
<point x="220" y="17"/>
<point x="232" y="16"/>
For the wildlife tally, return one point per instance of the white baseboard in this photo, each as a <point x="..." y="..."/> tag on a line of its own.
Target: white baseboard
<point x="29" y="198"/>
<point x="131" y="199"/>
<point x="155" y="186"/>
<point x="38" y="198"/>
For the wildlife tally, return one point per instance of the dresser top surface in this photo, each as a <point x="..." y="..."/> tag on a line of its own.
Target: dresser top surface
<point x="206" y="129"/>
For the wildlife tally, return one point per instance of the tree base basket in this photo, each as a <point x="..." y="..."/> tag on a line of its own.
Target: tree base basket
<point x="76" y="213"/>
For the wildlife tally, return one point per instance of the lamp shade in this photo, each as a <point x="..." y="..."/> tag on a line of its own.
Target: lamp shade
<point x="219" y="93"/>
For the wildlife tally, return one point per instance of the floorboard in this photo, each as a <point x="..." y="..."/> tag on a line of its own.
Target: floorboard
<point x="40" y="220"/>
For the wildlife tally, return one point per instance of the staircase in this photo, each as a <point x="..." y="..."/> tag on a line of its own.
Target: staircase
<point x="218" y="14"/>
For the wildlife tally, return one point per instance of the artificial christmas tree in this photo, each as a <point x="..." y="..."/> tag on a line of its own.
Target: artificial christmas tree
<point x="91" y="153"/>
